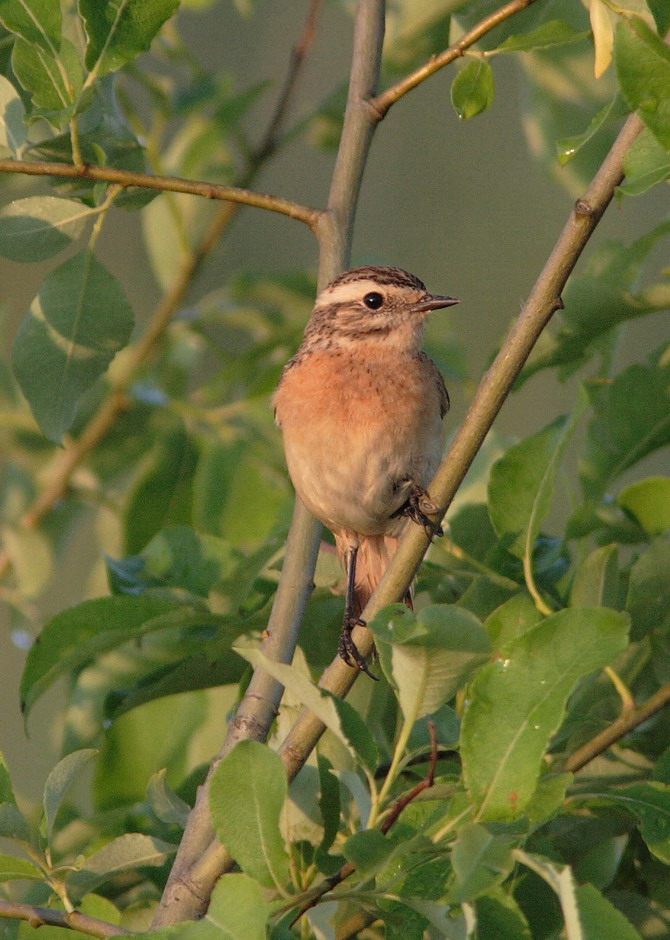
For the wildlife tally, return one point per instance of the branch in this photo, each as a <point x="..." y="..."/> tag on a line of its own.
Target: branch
<point x="625" y="723"/>
<point x="41" y="916"/>
<point x="386" y="99"/>
<point x="172" y="184"/>
<point x="201" y="858"/>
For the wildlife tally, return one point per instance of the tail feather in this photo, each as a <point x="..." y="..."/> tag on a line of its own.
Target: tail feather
<point x="374" y="554"/>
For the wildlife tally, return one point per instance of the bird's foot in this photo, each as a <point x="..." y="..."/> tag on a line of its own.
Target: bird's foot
<point x="348" y="650"/>
<point x="419" y="508"/>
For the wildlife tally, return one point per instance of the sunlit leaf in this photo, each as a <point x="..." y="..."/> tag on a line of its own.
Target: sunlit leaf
<point x="125" y="853"/>
<point x="12" y="868"/>
<point x="473" y="89"/>
<point x="516" y="703"/>
<point x="119" y="30"/>
<point x="247" y="793"/>
<point x="649" y="501"/>
<point x="37" y="21"/>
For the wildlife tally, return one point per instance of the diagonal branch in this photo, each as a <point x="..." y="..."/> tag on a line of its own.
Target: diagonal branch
<point x="386" y="99"/>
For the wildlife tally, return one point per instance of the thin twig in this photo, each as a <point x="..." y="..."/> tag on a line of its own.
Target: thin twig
<point x="381" y="104"/>
<point x="75" y="920"/>
<point x="624" y="724"/>
<point x="172" y="184"/>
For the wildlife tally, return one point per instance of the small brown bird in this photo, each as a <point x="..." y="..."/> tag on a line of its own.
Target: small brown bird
<point x="360" y="407"/>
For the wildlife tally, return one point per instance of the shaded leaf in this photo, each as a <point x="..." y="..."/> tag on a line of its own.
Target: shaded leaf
<point x="643" y="69"/>
<point x="13" y="132"/>
<point x="39" y="227"/>
<point x="517" y="703"/>
<point x="649" y="501"/>
<point x="247" y="793"/>
<point x="600" y="919"/>
<point x="647" y="163"/>
<point x="76" y="325"/>
<point x="54" y="79"/>
<point x="165" y="803"/>
<point x="59" y="781"/>
<point x="551" y="33"/>
<point x="480" y="860"/>
<point x="648" y="600"/>
<point x="12" y="868"/>
<point x="126" y="853"/>
<point x="73" y="637"/>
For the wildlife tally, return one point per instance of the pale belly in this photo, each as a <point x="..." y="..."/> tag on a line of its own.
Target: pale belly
<point x="356" y="446"/>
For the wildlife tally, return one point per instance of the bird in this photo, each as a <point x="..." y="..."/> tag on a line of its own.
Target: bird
<point x="361" y="407"/>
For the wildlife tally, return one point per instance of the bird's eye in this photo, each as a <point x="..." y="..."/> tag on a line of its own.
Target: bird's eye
<point x="373" y="300"/>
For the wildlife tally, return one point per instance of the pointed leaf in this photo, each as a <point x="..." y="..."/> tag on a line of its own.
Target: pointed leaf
<point x="118" y="30"/>
<point x="551" y="33"/>
<point x="643" y="68"/>
<point x="13" y="132"/>
<point x="59" y="781"/>
<point x="165" y="803"/>
<point x="75" y="636"/>
<point x="12" y="868"/>
<point x="335" y="713"/>
<point x="53" y="79"/>
<point x="76" y="325"/>
<point x="596" y="582"/>
<point x="517" y="703"/>
<point x="247" y="793"/>
<point x="39" y="227"/>
<point x="126" y="853"/>
<point x="600" y="919"/>
<point x="480" y="861"/>
<point x="649" y="501"/>
<point x="427" y="658"/>
<point x="37" y="21"/>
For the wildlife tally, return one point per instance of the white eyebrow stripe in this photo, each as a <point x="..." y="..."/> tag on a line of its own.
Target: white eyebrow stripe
<point x="356" y="290"/>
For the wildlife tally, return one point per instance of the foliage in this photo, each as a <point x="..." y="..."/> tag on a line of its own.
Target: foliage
<point x="451" y="801"/>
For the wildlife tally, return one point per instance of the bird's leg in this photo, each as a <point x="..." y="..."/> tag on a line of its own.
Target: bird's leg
<point x="419" y="508"/>
<point x="347" y="648"/>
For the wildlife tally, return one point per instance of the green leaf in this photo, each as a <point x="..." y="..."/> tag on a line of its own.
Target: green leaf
<point x="12" y="868"/>
<point x="480" y="860"/>
<point x="39" y="227"/>
<point x="631" y="420"/>
<point x="73" y="637"/>
<point x="559" y="878"/>
<point x="596" y="582"/>
<point x="473" y="89"/>
<point x="126" y="853"/>
<point x="567" y="147"/>
<point x="13" y="133"/>
<point x="511" y="619"/>
<point x="13" y="824"/>
<point x="59" y="781"/>
<point x="246" y="797"/>
<point x="330" y="803"/>
<point x="428" y="657"/>
<point x="649" y="501"/>
<point x="119" y="30"/>
<point x="338" y="716"/>
<point x="551" y="33"/>
<point x="37" y="21"/>
<point x="643" y="69"/>
<point x="522" y="485"/>
<point x="517" y="703"/>
<point x="165" y="803"/>
<point x="178" y="557"/>
<point x="54" y="80"/>
<point x="369" y="850"/>
<point x="649" y="802"/>
<point x="76" y="325"/>
<point x="646" y="163"/>
<point x="499" y="917"/>
<point x="237" y="910"/>
<point x="648" y="600"/>
<point x="600" y="919"/>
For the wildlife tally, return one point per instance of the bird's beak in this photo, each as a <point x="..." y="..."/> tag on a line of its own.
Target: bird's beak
<point x="433" y="302"/>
